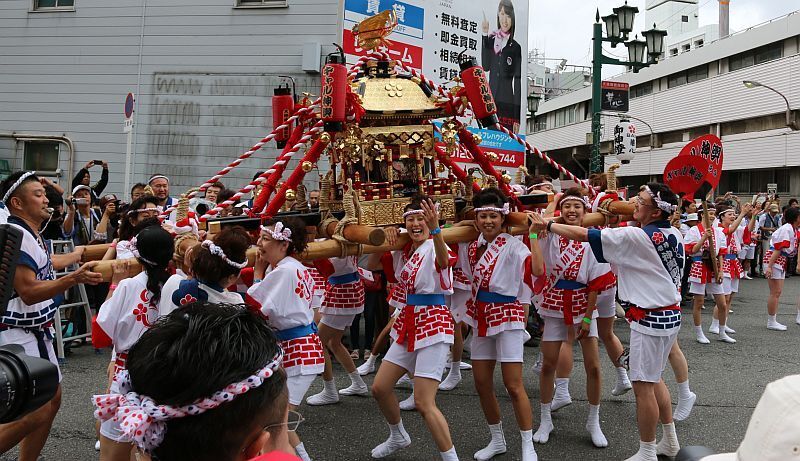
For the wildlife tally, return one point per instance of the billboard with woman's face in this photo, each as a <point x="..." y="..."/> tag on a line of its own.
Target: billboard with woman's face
<point x="432" y="33"/>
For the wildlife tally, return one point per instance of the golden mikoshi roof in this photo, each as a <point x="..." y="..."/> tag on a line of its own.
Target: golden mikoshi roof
<point x="395" y="96"/>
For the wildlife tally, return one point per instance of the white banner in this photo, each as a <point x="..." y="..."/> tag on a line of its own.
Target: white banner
<point x="431" y="34"/>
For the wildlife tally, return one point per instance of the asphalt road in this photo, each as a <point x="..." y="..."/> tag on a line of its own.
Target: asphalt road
<point x="728" y="380"/>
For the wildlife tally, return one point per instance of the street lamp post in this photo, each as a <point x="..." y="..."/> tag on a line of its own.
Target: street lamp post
<point x="790" y="121"/>
<point x="618" y="26"/>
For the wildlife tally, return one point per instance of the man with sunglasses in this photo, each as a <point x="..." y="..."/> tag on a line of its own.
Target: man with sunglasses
<point x="649" y="261"/>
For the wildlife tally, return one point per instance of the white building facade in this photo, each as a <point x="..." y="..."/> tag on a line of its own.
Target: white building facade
<point x="203" y="72"/>
<point x="692" y="94"/>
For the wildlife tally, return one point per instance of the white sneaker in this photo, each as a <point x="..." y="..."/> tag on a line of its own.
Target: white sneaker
<point x="355" y="389"/>
<point x="323" y="398"/>
<point x="366" y="368"/>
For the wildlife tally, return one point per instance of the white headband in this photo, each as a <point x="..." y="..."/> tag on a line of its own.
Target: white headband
<point x="546" y="183"/>
<point x="413" y="212"/>
<point x="17" y="184"/>
<point x="661" y="204"/>
<point x="729" y="210"/>
<point x="504" y="211"/>
<point x="157" y="176"/>
<point x="141" y="210"/>
<point x="144" y="420"/>
<point x="217" y="251"/>
<point x="572" y="197"/>
<point x="279" y="232"/>
<point x="135" y="251"/>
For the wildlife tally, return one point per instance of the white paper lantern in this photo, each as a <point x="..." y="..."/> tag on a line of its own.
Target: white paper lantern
<point x="625" y="141"/>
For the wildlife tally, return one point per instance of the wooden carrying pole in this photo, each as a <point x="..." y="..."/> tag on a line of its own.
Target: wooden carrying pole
<point x="356" y="233"/>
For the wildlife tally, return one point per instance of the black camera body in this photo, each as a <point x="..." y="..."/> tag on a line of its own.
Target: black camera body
<point x="26" y="383"/>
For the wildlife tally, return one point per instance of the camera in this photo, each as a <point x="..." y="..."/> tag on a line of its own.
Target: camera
<point x="80" y="201"/>
<point x="26" y="383"/>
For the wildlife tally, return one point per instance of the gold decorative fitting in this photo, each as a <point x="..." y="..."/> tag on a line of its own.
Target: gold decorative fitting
<point x="290" y="194"/>
<point x="507" y="178"/>
<point x="371" y="32"/>
<point x="492" y="156"/>
<point x="325" y="137"/>
<point x="307" y="166"/>
<point x="477" y="138"/>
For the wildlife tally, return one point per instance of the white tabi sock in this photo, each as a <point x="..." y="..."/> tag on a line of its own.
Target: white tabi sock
<point x="561" y="397"/>
<point x="623" y="382"/>
<point x="301" y="452"/>
<point x="453" y="377"/>
<point x="683" y="390"/>
<point x="542" y="434"/>
<point x="528" y="451"/>
<point x="647" y="452"/>
<point x="449" y="455"/>
<point x="668" y="446"/>
<point x="686" y="399"/>
<point x="398" y="439"/>
<point x="329" y="386"/>
<point x="593" y="426"/>
<point x="496" y="446"/>
<point x="356" y="379"/>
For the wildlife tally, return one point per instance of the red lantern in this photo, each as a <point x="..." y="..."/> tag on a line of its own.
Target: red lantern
<point x="334" y="92"/>
<point x="282" y="109"/>
<point x="476" y="88"/>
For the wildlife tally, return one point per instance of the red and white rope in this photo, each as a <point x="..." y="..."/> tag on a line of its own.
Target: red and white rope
<point x="303" y="111"/>
<point x="263" y="176"/>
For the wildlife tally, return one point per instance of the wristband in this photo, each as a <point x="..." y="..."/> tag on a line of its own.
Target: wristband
<point x="257" y="281"/>
<point x="549" y="225"/>
<point x="587" y="320"/>
<point x="436" y="231"/>
<point x="113" y="286"/>
<point x="533" y="236"/>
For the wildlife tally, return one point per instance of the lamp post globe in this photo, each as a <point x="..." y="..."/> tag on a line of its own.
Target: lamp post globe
<point x="626" y="15"/>
<point x="612" y="26"/>
<point x="655" y="42"/>
<point x="636" y="50"/>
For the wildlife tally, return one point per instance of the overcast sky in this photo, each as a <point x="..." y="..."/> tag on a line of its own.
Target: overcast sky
<point x="563" y="28"/>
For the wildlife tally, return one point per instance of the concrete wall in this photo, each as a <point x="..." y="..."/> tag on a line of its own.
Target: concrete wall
<point x="203" y="72"/>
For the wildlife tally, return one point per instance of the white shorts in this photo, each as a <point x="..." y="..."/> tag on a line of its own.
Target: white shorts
<point x="28" y="342"/>
<point x="748" y="252"/>
<point x="458" y="304"/>
<point x="338" y="322"/>
<point x="556" y="330"/>
<point x="109" y="428"/>
<point x="649" y="356"/>
<point x="711" y="288"/>
<point x="607" y="304"/>
<point x="506" y="347"/>
<point x="427" y="362"/>
<point x="730" y="285"/>
<point x="298" y="386"/>
<point x="777" y="273"/>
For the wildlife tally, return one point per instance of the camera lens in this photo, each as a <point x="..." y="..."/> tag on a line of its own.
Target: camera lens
<point x="26" y="383"/>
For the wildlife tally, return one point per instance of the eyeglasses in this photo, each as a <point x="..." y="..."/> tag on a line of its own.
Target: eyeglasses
<point x="641" y="202"/>
<point x="293" y="421"/>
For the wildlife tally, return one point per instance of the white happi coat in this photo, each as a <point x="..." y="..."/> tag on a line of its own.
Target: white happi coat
<point x="421" y="326"/>
<point x="699" y="272"/>
<point x="503" y="269"/>
<point x="127" y="314"/>
<point x="285" y="297"/>
<point x="571" y="262"/>
<point x="784" y="239"/>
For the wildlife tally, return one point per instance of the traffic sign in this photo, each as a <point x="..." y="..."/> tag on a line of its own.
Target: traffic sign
<point x="129" y="102"/>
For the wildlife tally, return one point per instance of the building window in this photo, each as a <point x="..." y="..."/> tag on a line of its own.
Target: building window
<point x="673" y="52"/>
<point x="688" y="76"/>
<point x="698" y="43"/>
<point x="686" y="47"/>
<point x="642" y="89"/>
<point x="41" y="156"/>
<point x="261" y="3"/>
<point x="684" y="18"/>
<point x="53" y="4"/>
<point x="565" y="116"/>
<point x="757" y="56"/>
<point x="746" y="182"/>
<point x="750" y="125"/>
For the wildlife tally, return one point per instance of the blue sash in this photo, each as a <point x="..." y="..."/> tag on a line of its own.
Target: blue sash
<point x="296" y="332"/>
<point x="569" y="285"/>
<point x="669" y="250"/>
<point x="492" y="297"/>
<point x="343" y="279"/>
<point x="434" y="299"/>
<point x="730" y="256"/>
